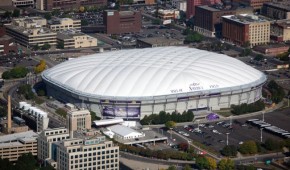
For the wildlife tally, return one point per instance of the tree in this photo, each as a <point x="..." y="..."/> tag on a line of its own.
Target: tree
<point x="82" y="9"/>
<point x="193" y="37"/>
<point x="201" y="162"/>
<point x="172" y="167"/>
<point x="229" y="150"/>
<point x="84" y="22"/>
<point x="6" y="164"/>
<point x="40" y="67"/>
<point x="226" y="164"/>
<point x="16" y="13"/>
<point x="259" y="57"/>
<point x="26" y="91"/>
<point x="61" y="112"/>
<point x="60" y="44"/>
<point x="26" y="162"/>
<point x="7" y="14"/>
<point x="156" y="21"/>
<point x="6" y="75"/>
<point x="247" y="44"/>
<point x="35" y="47"/>
<point x="248" y="147"/>
<point x="47" y="16"/>
<point x="187" y="167"/>
<point x="94" y="116"/>
<point x="45" y="46"/>
<point x="211" y="163"/>
<point x="170" y="124"/>
<point x="271" y="144"/>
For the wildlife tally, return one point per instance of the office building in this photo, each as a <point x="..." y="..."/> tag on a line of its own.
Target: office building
<point x="75" y="39"/>
<point x="208" y="19"/>
<point x="242" y="29"/>
<point x="14" y="145"/>
<point x="191" y="4"/>
<point x="59" y="24"/>
<point x="276" y="10"/>
<point x="49" y="5"/>
<point x="170" y="14"/>
<point x="45" y="140"/>
<point x="119" y="22"/>
<point x="280" y="30"/>
<point x="30" y="31"/>
<point x="255" y="4"/>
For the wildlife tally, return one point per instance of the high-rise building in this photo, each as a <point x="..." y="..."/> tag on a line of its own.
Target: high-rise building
<point x="78" y="120"/>
<point x="242" y="29"/>
<point x="280" y="30"/>
<point x="276" y="10"/>
<point x="191" y="4"/>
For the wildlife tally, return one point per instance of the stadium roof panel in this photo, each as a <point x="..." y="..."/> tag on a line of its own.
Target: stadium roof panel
<point x="152" y="72"/>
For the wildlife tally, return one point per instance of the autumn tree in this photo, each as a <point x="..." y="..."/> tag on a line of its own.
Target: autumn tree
<point x="211" y="163"/>
<point x="226" y="164"/>
<point x="248" y="147"/>
<point x="170" y="124"/>
<point x="40" y="67"/>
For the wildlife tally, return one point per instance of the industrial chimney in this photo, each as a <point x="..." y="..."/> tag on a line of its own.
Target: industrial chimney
<point x="9" y="114"/>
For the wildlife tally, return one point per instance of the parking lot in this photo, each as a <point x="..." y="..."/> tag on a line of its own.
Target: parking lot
<point x="214" y="135"/>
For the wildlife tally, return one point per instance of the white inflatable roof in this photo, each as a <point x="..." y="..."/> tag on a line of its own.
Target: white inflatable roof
<point x="152" y="72"/>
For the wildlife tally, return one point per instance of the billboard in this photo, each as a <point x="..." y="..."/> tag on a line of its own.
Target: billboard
<point x="118" y="111"/>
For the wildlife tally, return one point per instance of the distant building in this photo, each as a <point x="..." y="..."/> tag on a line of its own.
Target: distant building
<point x="78" y="120"/>
<point x="242" y="29"/>
<point x="119" y="22"/>
<point x="23" y="3"/>
<point x="7" y="44"/>
<point x="276" y="10"/>
<point x="74" y="39"/>
<point x="158" y="42"/>
<point x="273" y="49"/>
<point x="191" y="4"/>
<point x="124" y="132"/>
<point x="280" y="30"/>
<point x="14" y="145"/>
<point x="168" y="14"/>
<point x="59" y="24"/>
<point x="49" y="5"/>
<point x="179" y="4"/>
<point x="256" y="4"/>
<point x="30" y="31"/>
<point x="208" y="19"/>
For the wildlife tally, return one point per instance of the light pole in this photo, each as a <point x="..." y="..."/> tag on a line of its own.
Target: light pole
<point x="198" y="125"/>
<point x="261" y="135"/>
<point x="263" y="116"/>
<point x="227" y="138"/>
<point x="231" y="120"/>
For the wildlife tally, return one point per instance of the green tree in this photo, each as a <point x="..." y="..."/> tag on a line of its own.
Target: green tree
<point x="26" y="91"/>
<point x="94" y="116"/>
<point x="60" y="45"/>
<point x="229" y="150"/>
<point x="193" y="37"/>
<point x="259" y="57"/>
<point x="47" y="16"/>
<point x="16" y="13"/>
<point x="248" y="147"/>
<point x="187" y="167"/>
<point x="272" y="145"/>
<point x="172" y="167"/>
<point x="45" y="46"/>
<point x="170" y="124"/>
<point x="6" y="75"/>
<point x="156" y="22"/>
<point x="26" y="162"/>
<point x="211" y="163"/>
<point x="6" y="164"/>
<point x="7" y="14"/>
<point x="201" y="162"/>
<point x="226" y="164"/>
<point x="84" y="22"/>
<point x="61" y="112"/>
<point x="35" y="47"/>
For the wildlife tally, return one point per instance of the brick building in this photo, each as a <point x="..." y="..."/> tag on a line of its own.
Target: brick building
<point x="208" y="18"/>
<point x="276" y="10"/>
<point x="244" y="28"/>
<point x="280" y="30"/>
<point x="119" y="22"/>
<point x="273" y="49"/>
<point x="191" y="4"/>
<point x="49" y="5"/>
<point x="256" y="4"/>
<point x="7" y="44"/>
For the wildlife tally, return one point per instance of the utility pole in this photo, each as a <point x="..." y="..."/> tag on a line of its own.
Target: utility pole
<point x="261" y="135"/>
<point x="227" y="138"/>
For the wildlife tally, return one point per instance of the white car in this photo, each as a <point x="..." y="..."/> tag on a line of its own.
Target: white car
<point x="215" y="131"/>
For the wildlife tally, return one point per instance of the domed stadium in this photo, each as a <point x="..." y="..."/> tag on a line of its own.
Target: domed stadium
<point x="135" y="82"/>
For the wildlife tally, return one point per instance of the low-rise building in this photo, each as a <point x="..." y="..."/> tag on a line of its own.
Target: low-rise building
<point x="256" y="4"/>
<point x="272" y="50"/>
<point x="59" y="24"/>
<point x="14" y="145"/>
<point x="243" y="29"/>
<point x="280" y="30"/>
<point x="30" y="31"/>
<point x="75" y="39"/>
<point x="124" y="132"/>
<point x="276" y="10"/>
<point x="119" y="22"/>
<point x="158" y="42"/>
<point x="7" y="44"/>
<point x="168" y="14"/>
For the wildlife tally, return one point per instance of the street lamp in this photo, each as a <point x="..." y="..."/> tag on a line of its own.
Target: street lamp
<point x="261" y="135"/>
<point x="198" y="125"/>
<point x="227" y="138"/>
<point x="263" y="116"/>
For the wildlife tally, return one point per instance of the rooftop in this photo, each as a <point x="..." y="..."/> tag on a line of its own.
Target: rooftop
<point x="246" y="18"/>
<point x="221" y="7"/>
<point x="159" y="40"/>
<point x="69" y="34"/>
<point x="5" y="37"/>
<point x="122" y="130"/>
<point x="17" y="136"/>
<point x="29" y="31"/>
<point x="10" y="144"/>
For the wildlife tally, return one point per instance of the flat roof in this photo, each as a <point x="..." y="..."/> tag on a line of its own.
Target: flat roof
<point x="246" y="18"/>
<point x="10" y="144"/>
<point x="108" y="121"/>
<point x="16" y="136"/>
<point x="122" y="130"/>
<point x="158" y="40"/>
<point x="283" y="5"/>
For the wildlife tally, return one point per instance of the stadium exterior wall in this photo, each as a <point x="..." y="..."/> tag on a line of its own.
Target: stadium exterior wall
<point x="137" y="109"/>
